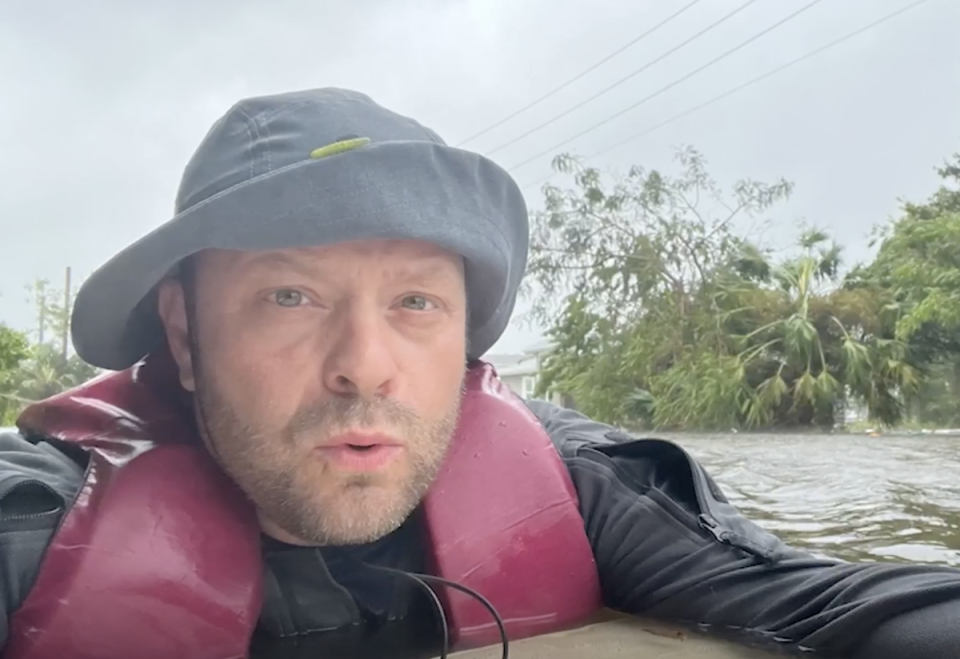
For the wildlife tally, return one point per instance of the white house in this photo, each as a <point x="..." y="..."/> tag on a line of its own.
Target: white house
<point x="522" y="372"/>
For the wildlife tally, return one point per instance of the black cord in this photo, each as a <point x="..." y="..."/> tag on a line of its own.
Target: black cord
<point x="444" y="625"/>
<point x="504" y="640"/>
<point x="424" y="580"/>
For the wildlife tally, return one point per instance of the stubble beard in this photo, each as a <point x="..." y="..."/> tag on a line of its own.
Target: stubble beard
<point x="298" y="494"/>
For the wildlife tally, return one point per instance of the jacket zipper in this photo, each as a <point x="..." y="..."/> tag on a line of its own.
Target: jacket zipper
<point x="701" y="488"/>
<point x="709" y="523"/>
<point x="31" y="481"/>
<point x="705" y="519"/>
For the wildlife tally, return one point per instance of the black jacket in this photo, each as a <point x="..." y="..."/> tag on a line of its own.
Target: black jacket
<point x="667" y="543"/>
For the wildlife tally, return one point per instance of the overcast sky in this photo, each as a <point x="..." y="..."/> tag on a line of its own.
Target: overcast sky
<point x="102" y="102"/>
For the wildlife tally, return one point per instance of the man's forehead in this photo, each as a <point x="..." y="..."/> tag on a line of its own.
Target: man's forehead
<point x="415" y="256"/>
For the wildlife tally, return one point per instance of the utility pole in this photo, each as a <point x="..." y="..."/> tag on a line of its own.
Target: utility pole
<point x="41" y="299"/>
<point x="66" y="316"/>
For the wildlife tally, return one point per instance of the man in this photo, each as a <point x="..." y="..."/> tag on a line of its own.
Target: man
<point x="311" y="429"/>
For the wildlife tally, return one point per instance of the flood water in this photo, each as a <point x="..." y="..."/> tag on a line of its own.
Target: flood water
<point x="853" y="497"/>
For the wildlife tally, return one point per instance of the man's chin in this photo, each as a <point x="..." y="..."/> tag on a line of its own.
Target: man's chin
<point x="358" y="531"/>
<point x="362" y="512"/>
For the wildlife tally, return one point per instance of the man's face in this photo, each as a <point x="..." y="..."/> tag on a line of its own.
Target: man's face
<point x="327" y="380"/>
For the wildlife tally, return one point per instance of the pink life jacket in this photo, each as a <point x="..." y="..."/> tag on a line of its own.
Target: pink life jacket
<point x="159" y="555"/>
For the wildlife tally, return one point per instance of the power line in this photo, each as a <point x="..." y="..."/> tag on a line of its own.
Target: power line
<point x="673" y="84"/>
<point x="764" y="76"/>
<point x="749" y="83"/>
<point x="579" y="75"/>
<point x="633" y="74"/>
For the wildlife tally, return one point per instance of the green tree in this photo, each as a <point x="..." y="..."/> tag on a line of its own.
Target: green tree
<point x="46" y="366"/>
<point x="609" y="257"/>
<point x="917" y="271"/>
<point x="818" y="344"/>
<point x="53" y="307"/>
<point x="625" y="275"/>
<point x="14" y="350"/>
<point x="661" y="313"/>
<point x="46" y="373"/>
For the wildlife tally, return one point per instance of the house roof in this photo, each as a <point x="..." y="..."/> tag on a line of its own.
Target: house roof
<point x="529" y="365"/>
<point x="539" y="347"/>
<point x="503" y="360"/>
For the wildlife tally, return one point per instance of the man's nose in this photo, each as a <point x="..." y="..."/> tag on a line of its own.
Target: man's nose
<point x="359" y="359"/>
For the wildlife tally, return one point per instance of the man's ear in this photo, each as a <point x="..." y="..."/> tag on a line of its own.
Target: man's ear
<point x="172" y="307"/>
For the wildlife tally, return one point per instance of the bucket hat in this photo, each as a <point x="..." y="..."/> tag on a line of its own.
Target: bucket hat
<point x="314" y="168"/>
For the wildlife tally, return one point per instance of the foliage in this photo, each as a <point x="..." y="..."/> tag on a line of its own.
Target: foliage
<point x="917" y="272"/>
<point x="53" y="309"/>
<point x="662" y="313"/>
<point x="638" y="254"/>
<point x="13" y="351"/>
<point x="919" y="262"/>
<point x="31" y="371"/>
<point x="46" y="373"/>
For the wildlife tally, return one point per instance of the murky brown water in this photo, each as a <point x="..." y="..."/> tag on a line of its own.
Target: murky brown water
<point x="852" y="497"/>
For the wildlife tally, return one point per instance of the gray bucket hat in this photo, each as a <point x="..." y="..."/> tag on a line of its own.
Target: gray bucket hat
<point x="262" y="179"/>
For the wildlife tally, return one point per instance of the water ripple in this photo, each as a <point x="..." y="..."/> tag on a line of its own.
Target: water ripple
<point x="853" y="497"/>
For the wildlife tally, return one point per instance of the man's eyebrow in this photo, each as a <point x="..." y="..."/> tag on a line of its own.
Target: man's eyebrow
<point x="280" y="261"/>
<point x="429" y="270"/>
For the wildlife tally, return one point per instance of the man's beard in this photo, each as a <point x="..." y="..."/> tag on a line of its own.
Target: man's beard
<point x="277" y="470"/>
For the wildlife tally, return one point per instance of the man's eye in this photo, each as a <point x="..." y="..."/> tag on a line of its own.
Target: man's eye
<point x="416" y="303"/>
<point x="287" y="297"/>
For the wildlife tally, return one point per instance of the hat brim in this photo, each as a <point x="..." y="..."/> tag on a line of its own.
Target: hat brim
<point x="456" y="199"/>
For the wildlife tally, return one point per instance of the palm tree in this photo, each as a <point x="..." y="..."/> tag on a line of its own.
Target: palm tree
<point x="46" y="373"/>
<point x="810" y="360"/>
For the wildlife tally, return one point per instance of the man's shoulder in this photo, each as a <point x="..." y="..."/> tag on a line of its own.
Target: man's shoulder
<point x="584" y="442"/>
<point x="570" y="430"/>
<point x="38" y="482"/>
<point x="37" y="460"/>
<point x="39" y="479"/>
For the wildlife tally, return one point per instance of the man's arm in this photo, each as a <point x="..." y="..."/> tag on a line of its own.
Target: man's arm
<point x="37" y="484"/>
<point x="668" y="545"/>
